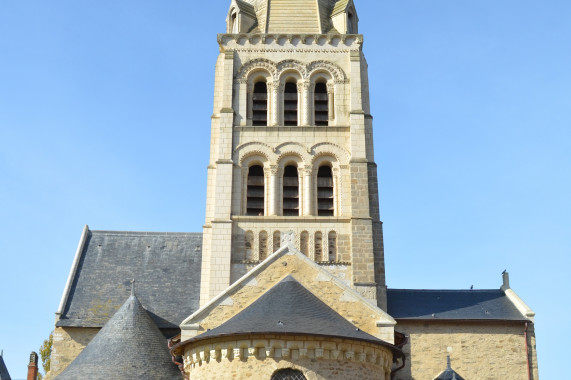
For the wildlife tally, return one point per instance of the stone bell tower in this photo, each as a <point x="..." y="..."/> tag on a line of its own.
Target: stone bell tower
<point x="292" y="145"/>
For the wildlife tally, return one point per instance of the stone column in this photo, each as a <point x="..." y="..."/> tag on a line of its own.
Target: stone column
<point x="331" y="100"/>
<point x="275" y="104"/>
<point x="250" y="103"/>
<point x="307" y="192"/>
<point x="272" y="190"/>
<point x="303" y="90"/>
<point x="336" y="193"/>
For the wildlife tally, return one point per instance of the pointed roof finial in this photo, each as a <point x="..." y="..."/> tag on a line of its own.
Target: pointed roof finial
<point x="1" y="352"/>
<point x="448" y="362"/>
<point x="133" y="287"/>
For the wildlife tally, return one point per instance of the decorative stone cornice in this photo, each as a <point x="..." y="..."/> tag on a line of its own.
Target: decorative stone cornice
<point x="305" y="39"/>
<point x="315" y="348"/>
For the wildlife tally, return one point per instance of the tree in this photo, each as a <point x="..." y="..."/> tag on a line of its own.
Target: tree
<point x="45" y="355"/>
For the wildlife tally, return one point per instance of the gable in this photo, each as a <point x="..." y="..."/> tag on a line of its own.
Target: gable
<point x="288" y="261"/>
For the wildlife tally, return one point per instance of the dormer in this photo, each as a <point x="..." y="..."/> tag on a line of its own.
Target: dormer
<point x="344" y="17"/>
<point x="241" y="17"/>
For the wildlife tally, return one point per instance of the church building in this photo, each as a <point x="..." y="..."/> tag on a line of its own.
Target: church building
<point x="287" y="278"/>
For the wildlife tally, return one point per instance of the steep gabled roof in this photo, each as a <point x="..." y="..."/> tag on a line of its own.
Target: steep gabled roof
<point x="163" y="264"/>
<point x="449" y="373"/>
<point x="4" y="375"/>
<point x="451" y="305"/>
<point x="129" y="346"/>
<point x="340" y="6"/>
<point x="289" y="308"/>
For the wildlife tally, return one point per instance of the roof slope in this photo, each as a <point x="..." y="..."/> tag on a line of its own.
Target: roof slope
<point x="451" y="304"/>
<point x="289" y="308"/>
<point x="129" y="346"/>
<point x="164" y="265"/>
<point x="4" y="375"/>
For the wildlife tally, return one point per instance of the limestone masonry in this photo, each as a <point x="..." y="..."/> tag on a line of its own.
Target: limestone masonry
<point x="287" y="279"/>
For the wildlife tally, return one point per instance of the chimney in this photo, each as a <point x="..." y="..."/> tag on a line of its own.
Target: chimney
<point x="33" y="367"/>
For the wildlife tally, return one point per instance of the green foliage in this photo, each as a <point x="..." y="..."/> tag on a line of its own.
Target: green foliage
<point x="45" y="354"/>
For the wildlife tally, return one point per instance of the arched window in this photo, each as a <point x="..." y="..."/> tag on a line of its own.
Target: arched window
<point x="249" y="243"/>
<point x="255" y="191"/>
<point x="318" y="246"/>
<point x="263" y="245"/>
<point x="320" y="105"/>
<point x="288" y="374"/>
<point x="325" y="201"/>
<point x="290" y="191"/>
<point x="233" y="23"/>
<point x="332" y="243"/>
<point x="290" y="104"/>
<point x="277" y="240"/>
<point x="304" y="243"/>
<point x="260" y="104"/>
<point x="351" y="25"/>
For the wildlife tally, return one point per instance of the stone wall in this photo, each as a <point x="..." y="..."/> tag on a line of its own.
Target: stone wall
<point x="68" y="342"/>
<point x="478" y="350"/>
<point x="318" y="359"/>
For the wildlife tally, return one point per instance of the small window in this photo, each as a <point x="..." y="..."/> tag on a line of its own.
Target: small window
<point x="290" y="191"/>
<point x="318" y="247"/>
<point x="233" y="23"/>
<point x="263" y="243"/>
<point x="325" y="192"/>
<point x="255" y="191"/>
<point x="304" y="243"/>
<point x="288" y="374"/>
<point x="277" y="240"/>
<point x="332" y="243"/>
<point x="260" y="104"/>
<point x="320" y="105"/>
<point x="290" y="104"/>
<point x="248" y="243"/>
<point x="351" y="29"/>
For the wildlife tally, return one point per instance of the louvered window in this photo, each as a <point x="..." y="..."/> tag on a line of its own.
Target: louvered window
<point x="260" y="104"/>
<point x="255" y="191"/>
<point x="290" y="192"/>
<point x="325" y="192"/>
<point x="290" y="104"/>
<point x="320" y="105"/>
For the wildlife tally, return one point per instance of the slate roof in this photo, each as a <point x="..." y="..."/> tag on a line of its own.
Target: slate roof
<point x="129" y="346"/>
<point x="449" y="373"/>
<point x="164" y="265"/>
<point x="451" y="305"/>
<point x="289" y="308"/>
<point x="4" y="375"/>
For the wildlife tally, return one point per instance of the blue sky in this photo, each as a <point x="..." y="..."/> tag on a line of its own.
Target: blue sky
<point x="105" y="120"/>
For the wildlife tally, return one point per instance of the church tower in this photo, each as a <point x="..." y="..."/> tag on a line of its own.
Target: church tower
<point x="292" y="146"/>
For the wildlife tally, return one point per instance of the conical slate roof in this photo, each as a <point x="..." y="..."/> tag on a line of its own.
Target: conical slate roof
<point x="4" y="375"/>
<point x="129" y="346"/>
<point x="289" y="308"/>
<point x="449" y="374"/>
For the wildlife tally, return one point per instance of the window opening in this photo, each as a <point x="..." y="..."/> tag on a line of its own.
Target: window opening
<point x="288" y="374"/>
<point x="255" y="191"/>
<point x="332" y="246"/>
<point x="290" y="104"/>
<point x="248" y="243"/>
<point x="304" y="243"/>
<point x="325" y="205"/>
<point x="351" y="24"/>
<point x="277" y="240"/>
<point x="290" y="192"/>
<point x="263" y="243"/>
<point x="260" y="104"/>
<point x="320" y="104"/>
<point x="318" y="247"/>
<point x="233" y="23"/>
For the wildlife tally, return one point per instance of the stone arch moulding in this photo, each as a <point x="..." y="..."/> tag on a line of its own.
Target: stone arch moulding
<point x="258" y="64"/>
<point x="329" y="149"/>
<point x="254" y="148"/>
<point x="328" y="67"/>
<point x="291" y="65"/>
<point x="306" y="71"/>
<point x="292" y="149"/>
